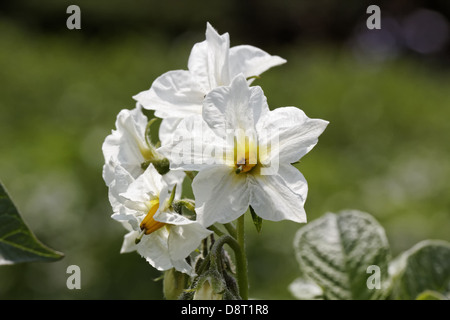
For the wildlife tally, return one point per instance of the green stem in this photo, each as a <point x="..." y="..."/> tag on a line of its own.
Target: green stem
<point x="231" y="229"/>
<point x="216" y="230"/>
<point x="241" y="259"/>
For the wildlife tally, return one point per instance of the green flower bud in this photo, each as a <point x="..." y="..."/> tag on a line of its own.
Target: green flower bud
<point x="162" y="165"/>
<point x="174" y="284"/>
<point x="210" y="286"/>
<point x="206" y="292"/>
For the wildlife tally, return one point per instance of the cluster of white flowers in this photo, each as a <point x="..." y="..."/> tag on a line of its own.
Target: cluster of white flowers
<point x="214" y="123"/>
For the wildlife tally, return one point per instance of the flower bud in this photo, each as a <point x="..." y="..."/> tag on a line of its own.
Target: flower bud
<point x="210" y="286"/>
<point x="206" y="292"/>
<point x="174" y="284"/>
<point x="162" y="165"/>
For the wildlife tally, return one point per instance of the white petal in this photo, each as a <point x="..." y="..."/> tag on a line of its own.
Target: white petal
<point x="272" y="199"/>
<point x="167" y="130"/>
<point x="154" y="249"/>
<point x="251" y="61"/>
<point x="147" y="186"/>
<point x="221" y="195"/>
<point x="130" y="219"/>
<point x="182" y="266"/>
<point x="120" y="181"/>
<point x="175" y="177"/>
<point x="184" y="239"/>
<point x="289" y="132"/>
<point x="198" y="65"/>
<point x="172" y="218"/>
<point x="108" y="172"/>
<point x="209" y="59"/>
<point x="194" y="146"/>
<point x="124" y="144"/>
<point x="294" y="179"/>
<point x="129" y="244"/>
<point x="235" y="107"/>
<point x="173" y="94"/>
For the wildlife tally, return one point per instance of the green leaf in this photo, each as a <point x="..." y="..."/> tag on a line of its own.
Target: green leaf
<point x="346" y="255"/>
<point x="257" y="220"/>
<point x="422" y="269"/>
<point x="17" y="242"/>
<point x="431" y="295"/>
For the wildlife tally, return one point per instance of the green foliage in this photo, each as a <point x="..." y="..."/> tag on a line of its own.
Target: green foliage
<point x="17" y="242"/>
<point x="423" y="272"/>
<point x="335" y="254"/>
<point x="336" y="250"/>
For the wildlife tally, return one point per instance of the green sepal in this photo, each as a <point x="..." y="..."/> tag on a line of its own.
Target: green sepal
<point x="257" y="220"/>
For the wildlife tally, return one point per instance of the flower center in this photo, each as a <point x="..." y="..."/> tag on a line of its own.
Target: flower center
<point x="149" y="224"/>
<point x="246" y="154"/>
<point x="147" y="153"/>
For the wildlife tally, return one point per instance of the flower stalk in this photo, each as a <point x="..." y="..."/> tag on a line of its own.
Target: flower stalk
<point x="241" y="259"/>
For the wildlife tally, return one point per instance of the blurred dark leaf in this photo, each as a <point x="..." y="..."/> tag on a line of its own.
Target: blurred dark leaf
<point x="17" y="242"/>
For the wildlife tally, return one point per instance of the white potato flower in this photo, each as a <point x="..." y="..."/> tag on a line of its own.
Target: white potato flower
<point x="212" y="63"/>
<point x="159" y="234"/>
<point x="128" y="147"/>
<point x="244" y="154"/>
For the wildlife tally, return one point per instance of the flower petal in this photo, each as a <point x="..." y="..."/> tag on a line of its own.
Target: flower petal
<point x="198" y="65"/>
<point x="184" y="239"/>
<point x="273" y="199"/>
<point x="237" y="107"/>
<point x="154" y="249"/>
<point x="129" y="244"/>
<point x="221" y="195"/>
<point x="120" y="180"/>
<point x="175" y="177"/>
<point x="146" y="186"/>
<point x="182" y="266"/>
<point x="251" y="61"/>
<point x="127" y="217"/>
<point x="167" y="129"/>
<point x="173" y="94"/>
<point x="289" y="133"/>
<point x="294" y="179"/>
<point x="124" y="144"/>
<point x="208" y="61"/>
<point x="194" y="146"/>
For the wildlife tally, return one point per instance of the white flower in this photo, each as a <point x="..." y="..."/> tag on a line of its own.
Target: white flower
<point x="128" y="148"/>
<point x="243" y="152"/>
<point x="127" y="144"/>
<point x="160" y="235"/>
<point x="212" y="63"/>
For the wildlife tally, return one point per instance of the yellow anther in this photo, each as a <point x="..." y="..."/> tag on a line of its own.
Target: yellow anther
<point x="245" y="155"/>
<point x="149" y="224"/>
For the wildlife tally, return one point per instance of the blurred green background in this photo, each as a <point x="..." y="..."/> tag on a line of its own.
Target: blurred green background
<point x="385" y="92"/>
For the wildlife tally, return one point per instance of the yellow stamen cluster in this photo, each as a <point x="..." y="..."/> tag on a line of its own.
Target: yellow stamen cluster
<point x="245" y="155"/>
<point x="149" y="224"/>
